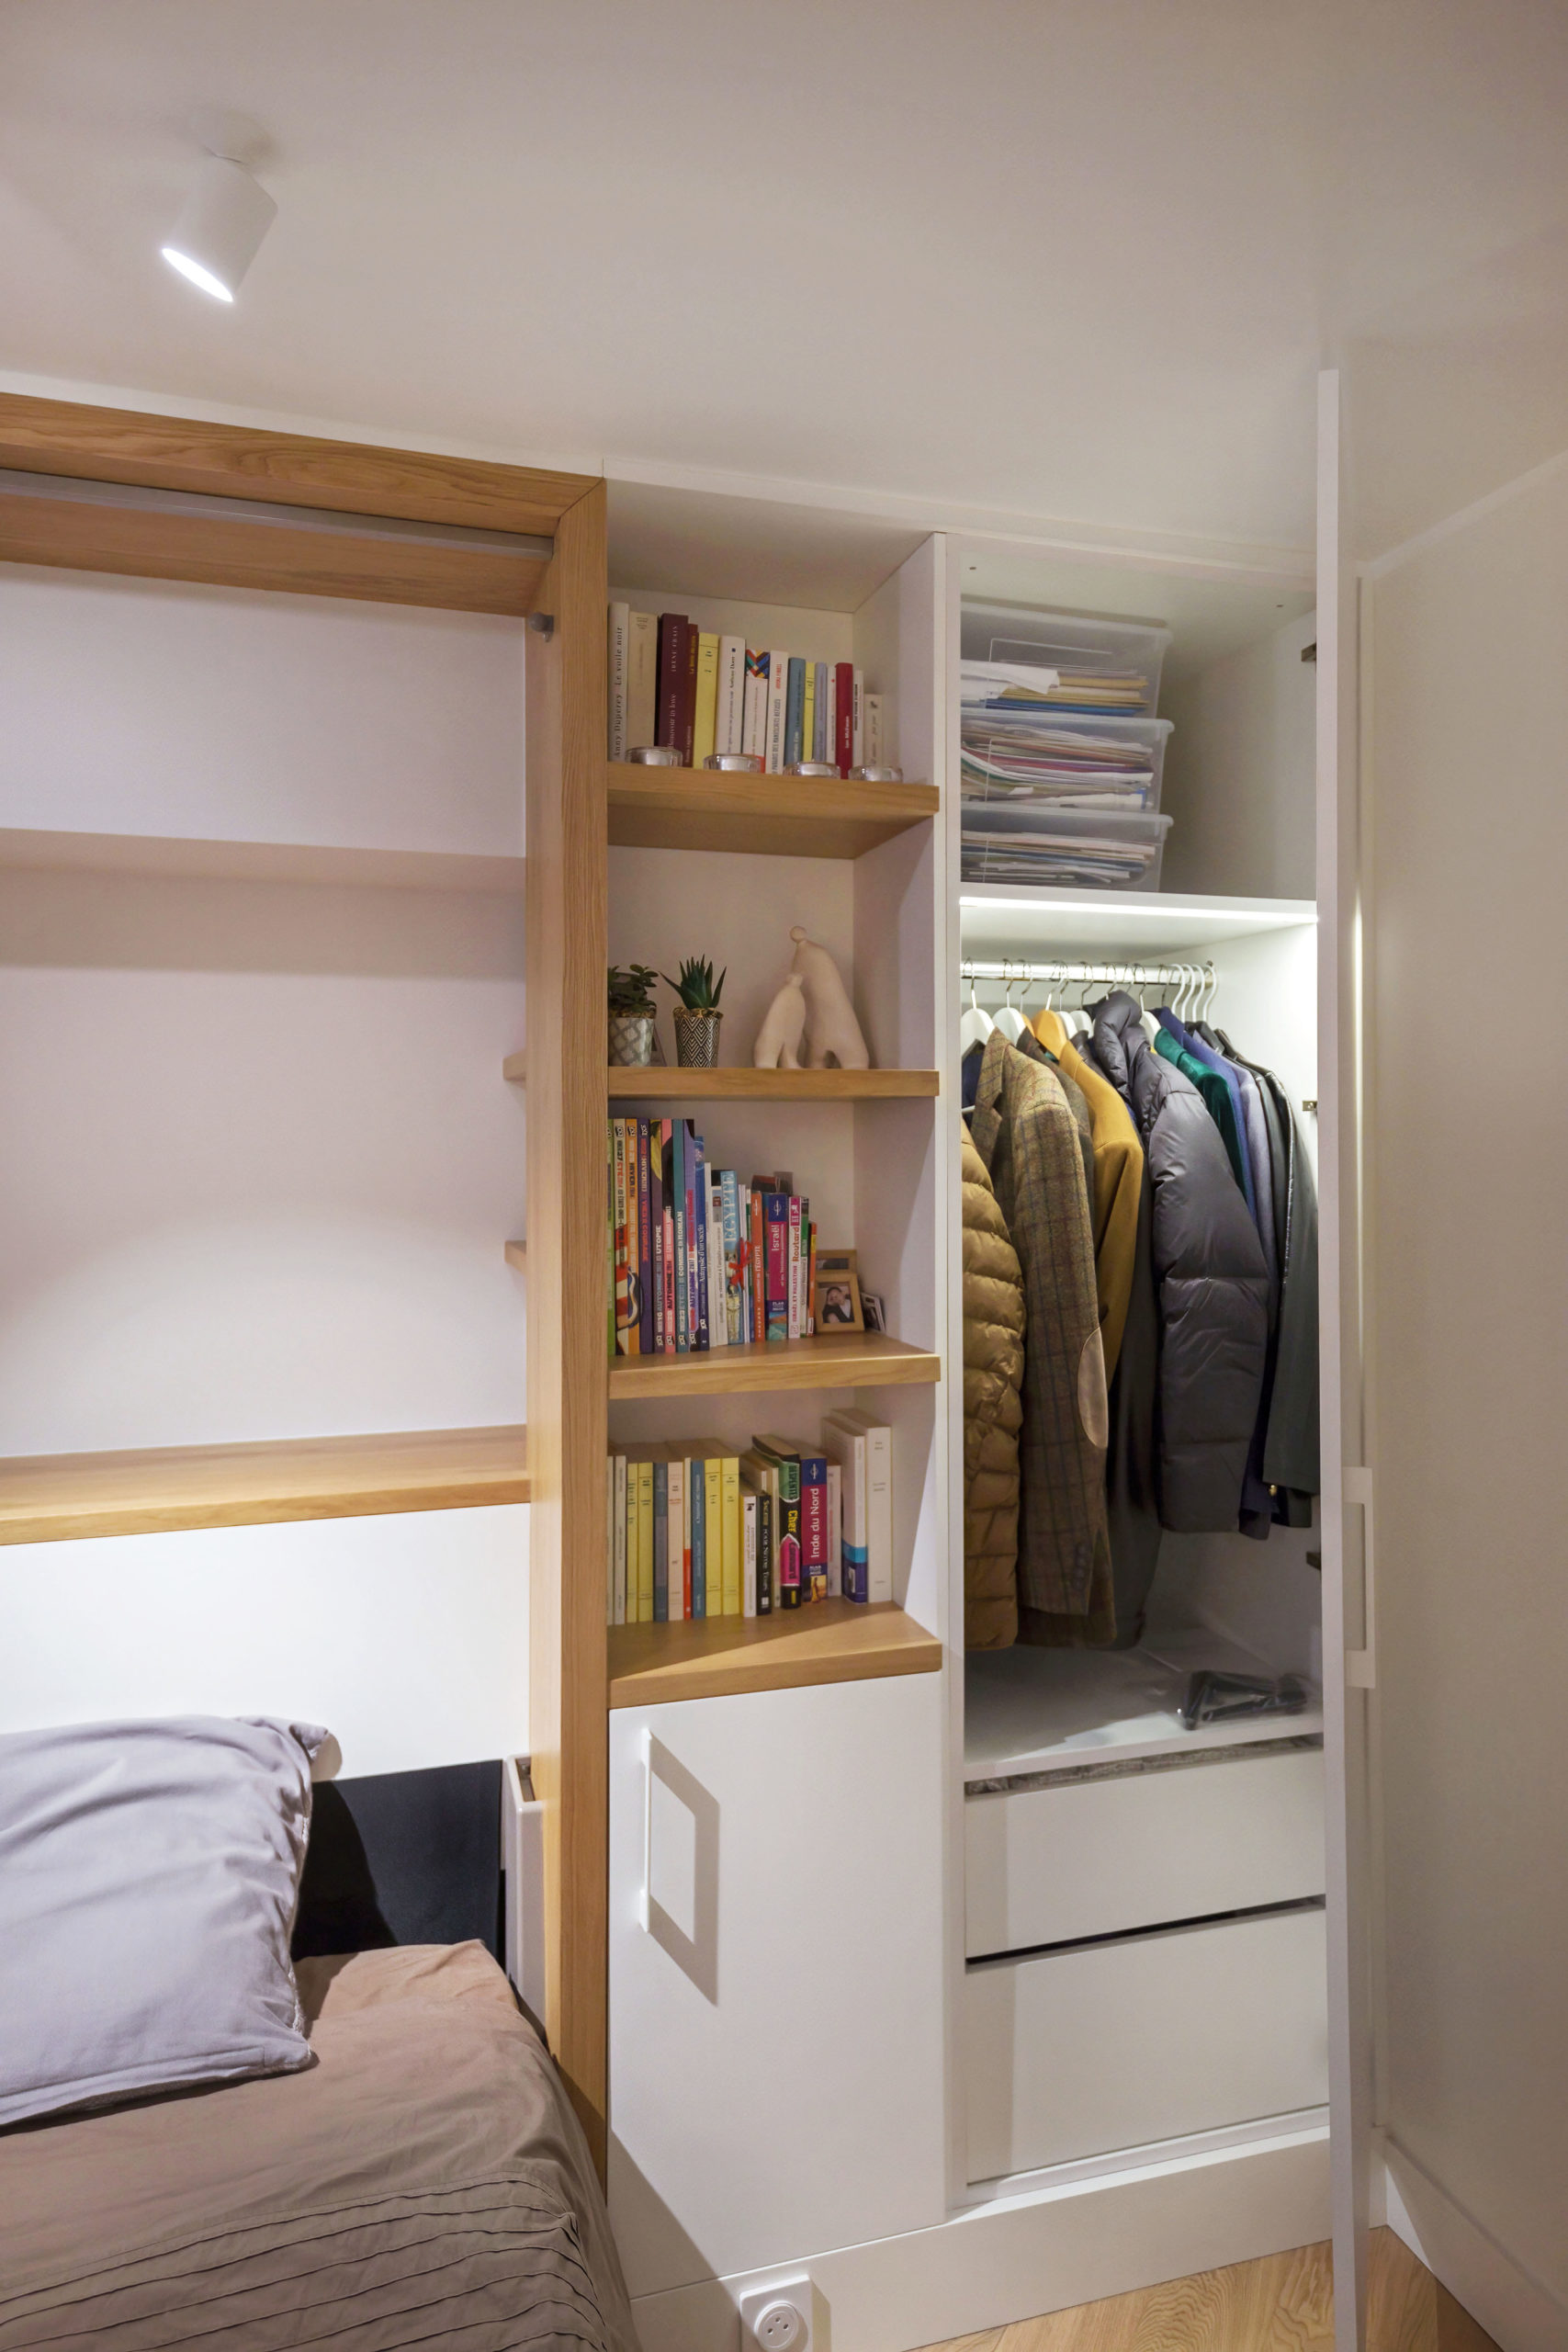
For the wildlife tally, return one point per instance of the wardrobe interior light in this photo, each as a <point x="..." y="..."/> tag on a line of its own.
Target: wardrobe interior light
<point x="226" y="213"/>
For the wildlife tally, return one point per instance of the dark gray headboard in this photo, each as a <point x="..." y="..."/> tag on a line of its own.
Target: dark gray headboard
<point x="403" y="1858"/>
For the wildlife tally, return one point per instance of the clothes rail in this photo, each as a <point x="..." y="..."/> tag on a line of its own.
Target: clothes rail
<point x="1117" y="975"/>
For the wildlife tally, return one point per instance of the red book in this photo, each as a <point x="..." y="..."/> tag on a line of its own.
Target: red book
<point x="688" y="735"/>
<point x="673" y="630"/>
<point x="759" y="1269"/>
<point x="844" y="715"/>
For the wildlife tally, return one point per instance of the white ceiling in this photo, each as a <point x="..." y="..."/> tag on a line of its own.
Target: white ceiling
<point x="1068" y="260"/>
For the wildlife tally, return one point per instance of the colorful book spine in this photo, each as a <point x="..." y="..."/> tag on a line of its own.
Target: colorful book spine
<point x="835" y="1531"/>
<point x="821" y="740"/>
<point x="734" y="1258"/>
<point x="755" y="726"/>
<point x="748" y="1551"/>
<point x="668" y="1127"/>
<point x="844" y="716"/>
<point x="729" y="720"/>
<point x="808" y="728"/>
<point x="813" y="1545"/>
<point x="697" y="1505"/>
<point x="623" y="1251"/>
<point x="809" y="1304"/>
<point x="644" y="1541"/>
<point x="687" y="735"/>
<point x="829" y="687"/>
<point x="775" y="1211"/>
<point x="696" y="1240"/>
<point x="642" y="679"/>
<point x="680" y="1539"/>
<point x="873" y="730"/>
<point x="778" y="708"/>
<point x="766" y="1576"/>
<point x="734" y="1556"/>
<point x="712" y="1535"/>
<point x="656" y="1232"/>
<point x="705" y="708"/>
<point x="792" y="1291"/>
<point x="857" y="739"/>
<point x="620" y="632"/>
<point x="718" y="1278"/>
<point x="791" y="1588"/>
<point x="673" y="629"/>
<point x="756" y="1235"/>
<point x="661" y="1542"/>
<point x="645" y="1269"/>
<point x="847" y="1446"/>
<point x="795" y="709"/>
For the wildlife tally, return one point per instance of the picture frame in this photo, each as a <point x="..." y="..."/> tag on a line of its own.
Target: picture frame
<point x="874" y="1310"/>
<point x="836" y="1300"/>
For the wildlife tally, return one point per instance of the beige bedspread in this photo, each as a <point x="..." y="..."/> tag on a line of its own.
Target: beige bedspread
<point x="424" y="2182"/>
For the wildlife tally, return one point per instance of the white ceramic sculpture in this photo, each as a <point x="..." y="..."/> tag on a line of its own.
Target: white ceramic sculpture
<point x="778" y="1039"/>
<point x="831" y="1022"/>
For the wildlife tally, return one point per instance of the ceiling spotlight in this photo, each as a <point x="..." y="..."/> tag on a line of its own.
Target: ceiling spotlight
<point x="226" y="213"/>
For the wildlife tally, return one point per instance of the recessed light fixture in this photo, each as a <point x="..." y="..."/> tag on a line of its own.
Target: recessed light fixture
<point x="226" y="213"/>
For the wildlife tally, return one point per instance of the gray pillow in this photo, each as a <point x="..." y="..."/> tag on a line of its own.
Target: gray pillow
<point x="149" y="1873"/>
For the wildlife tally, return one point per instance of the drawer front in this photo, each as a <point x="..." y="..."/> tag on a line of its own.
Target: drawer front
<point x="1111" y="2046"/>
<point x="1095" y="1857"/>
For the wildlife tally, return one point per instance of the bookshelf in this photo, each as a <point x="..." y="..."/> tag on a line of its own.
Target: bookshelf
<point x="834" y="1640"/>
<point x="837" y="1360"/>
<point x="764" y="816"/>
<point x="55" y="1498"/>
<point x="660" y="1083"/>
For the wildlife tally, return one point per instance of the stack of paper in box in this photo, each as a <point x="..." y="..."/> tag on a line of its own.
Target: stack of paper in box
<point x="693" y="1530"/>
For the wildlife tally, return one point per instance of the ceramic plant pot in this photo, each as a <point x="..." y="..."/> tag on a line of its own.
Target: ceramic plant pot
<point x="631" y="1040"/>
<point x="696" y="1038"/>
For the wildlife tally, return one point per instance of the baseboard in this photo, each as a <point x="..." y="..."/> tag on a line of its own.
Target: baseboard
<point x="1515" y="2308"/>
<point x="1045" y="2250"/>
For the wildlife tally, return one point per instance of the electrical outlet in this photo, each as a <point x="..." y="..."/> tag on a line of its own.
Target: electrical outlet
<point x="778" y="2318"/>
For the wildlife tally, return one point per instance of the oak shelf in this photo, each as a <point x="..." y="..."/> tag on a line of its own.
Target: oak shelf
<point x="52" y="1497"/>
<point x="828" y="1641"/>
<point x="743" y="1085"/>
<point x="836" y="1360"/>
<point x="767" y="816"/>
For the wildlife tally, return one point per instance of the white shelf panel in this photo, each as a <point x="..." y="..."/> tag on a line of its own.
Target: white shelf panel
<point x="1037" y="1710"/>
<point x="1000" y="919"/>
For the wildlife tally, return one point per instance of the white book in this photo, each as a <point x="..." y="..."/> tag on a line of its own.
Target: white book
<point x="620" y="631"/>
<point x="857" y="719"/>
<point x="754" y="718"/>
<point x="729" y="714"/>
<point x="718" y="1312"/>
<point x="873" y="730"/>
<point x="878" y="1500"/>
<point x="748" y="1553"/>
<point x="845" y="1450"/>
<point x="835" y="1531"/>
<point x="620" y="1523"/>
<point x="677" y="1538"/>
<point x="778" y="696"/>
<point x="642" y="679"/>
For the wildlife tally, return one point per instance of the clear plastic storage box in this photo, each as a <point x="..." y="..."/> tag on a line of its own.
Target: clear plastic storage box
<point x="1047" y="760"/>
<point x="1028" y="847"/>
<point x="1096" y="650"/>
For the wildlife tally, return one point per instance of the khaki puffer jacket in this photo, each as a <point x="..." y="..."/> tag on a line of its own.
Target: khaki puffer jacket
<point x="993" y="1375"/>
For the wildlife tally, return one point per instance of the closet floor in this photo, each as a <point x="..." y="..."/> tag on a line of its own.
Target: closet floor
<point x="1283" y="2303"/>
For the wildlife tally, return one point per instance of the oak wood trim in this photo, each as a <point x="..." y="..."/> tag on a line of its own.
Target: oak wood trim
<point x="743" y="1085"/>
<point x="289" y="468"/>
<point x="831" y="1640"/>
<point x="767" y="816"/>
<point x="228" y="552"/>
<point x="566" y="954"/>
<point x="837" y="1360"/>
<point x="55" y="1498"/>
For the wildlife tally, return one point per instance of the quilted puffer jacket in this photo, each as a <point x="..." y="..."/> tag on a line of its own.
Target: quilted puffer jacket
<point x="993" y="1375"/>
<point x="1210" y="1277"/>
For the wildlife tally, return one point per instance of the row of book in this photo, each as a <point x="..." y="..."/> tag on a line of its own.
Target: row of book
<point x="698" y="1258"/>
<point x="695" y="1531"/>
<point x="698" y="692"/>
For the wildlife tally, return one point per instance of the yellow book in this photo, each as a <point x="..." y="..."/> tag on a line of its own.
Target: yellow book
<point x="643" y="1540"/>
<point x="809" y="714"/>
<point x="707" y="698"/>
<point x="733" y="1570"/>
<point x="713" y="1527"/>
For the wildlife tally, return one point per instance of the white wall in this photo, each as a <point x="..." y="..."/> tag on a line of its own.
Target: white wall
<point x="260" y="1160"/>
<point x="1239" y="773"/>
<point x="1467" y="1271"/>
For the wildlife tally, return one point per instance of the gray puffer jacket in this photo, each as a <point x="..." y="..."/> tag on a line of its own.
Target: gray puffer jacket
<point x="1209" y="1272"/>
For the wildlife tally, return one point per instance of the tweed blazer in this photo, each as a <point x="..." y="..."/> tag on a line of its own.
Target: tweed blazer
<point x="1025" y="1133"/>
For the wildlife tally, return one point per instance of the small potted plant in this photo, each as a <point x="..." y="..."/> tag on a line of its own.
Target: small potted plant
<point x="632" y="1016"/>
<point x="697" y="1015"/>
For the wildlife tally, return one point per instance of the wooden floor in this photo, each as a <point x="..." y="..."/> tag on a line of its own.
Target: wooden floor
<point x="1284" y="2303"/>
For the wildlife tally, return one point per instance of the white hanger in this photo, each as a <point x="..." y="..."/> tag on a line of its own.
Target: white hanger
<point x="976" y="1025"/>
<point x="1010" y="1021"/>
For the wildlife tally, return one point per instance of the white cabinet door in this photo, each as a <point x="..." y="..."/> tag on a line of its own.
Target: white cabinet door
<point x="776" y="2044"/>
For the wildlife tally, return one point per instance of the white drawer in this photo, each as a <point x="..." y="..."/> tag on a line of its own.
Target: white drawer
<point x="1110" y="2046"/>
<point x="1097" y="1857"/>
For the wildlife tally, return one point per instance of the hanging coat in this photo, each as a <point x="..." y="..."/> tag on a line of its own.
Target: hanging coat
<point x="1118" y="1181"/>
<point x="1025" y="1133"/>
<point x="1212" y="1284"/>
<point x="993" y="1413"/>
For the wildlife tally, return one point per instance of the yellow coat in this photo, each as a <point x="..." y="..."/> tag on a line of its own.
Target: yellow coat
<point x="993" y="1374"/>
<point x="1118" y="1179"/>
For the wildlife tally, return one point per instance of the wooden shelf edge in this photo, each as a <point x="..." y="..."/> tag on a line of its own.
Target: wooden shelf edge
<point x="516" y="1067"/>
<point x="169" y="1490"/>
<point x="660" y="1085"/>
<point x="774" y="816"/>
<point x="517" y="1256"/>
<point x="850" y="1360"/>
<point x="834" y="1640"/>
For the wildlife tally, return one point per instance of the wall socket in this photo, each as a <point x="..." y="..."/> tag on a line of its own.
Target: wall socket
<point x="779" y="2318"/>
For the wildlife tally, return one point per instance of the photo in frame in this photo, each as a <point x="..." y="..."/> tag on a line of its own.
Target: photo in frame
<point x="836" y="1302"/>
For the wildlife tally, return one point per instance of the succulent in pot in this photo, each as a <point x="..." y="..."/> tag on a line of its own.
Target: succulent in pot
<point x="697" y="1015"/>
<point x="632" y="1015"/>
